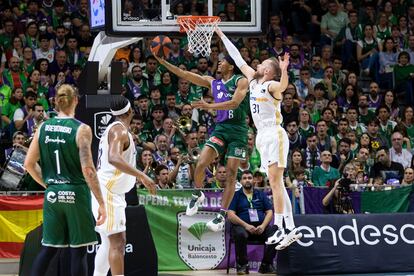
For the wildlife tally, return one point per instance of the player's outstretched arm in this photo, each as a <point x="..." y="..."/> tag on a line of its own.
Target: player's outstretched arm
<point x="277" y="88"/>
<point x="236" y="56"/>
<point x="239" y="95"/>
<point x="118" y="141"/>
<point x="84" y="142"/>
<point x="31" y="165"/>
<point x="204" y="81"/>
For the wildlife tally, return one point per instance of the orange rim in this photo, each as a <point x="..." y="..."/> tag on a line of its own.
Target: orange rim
<point x="189" y="22"/>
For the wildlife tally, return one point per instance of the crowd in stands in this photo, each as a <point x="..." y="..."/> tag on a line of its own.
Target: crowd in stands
<point x="348" y="109"/>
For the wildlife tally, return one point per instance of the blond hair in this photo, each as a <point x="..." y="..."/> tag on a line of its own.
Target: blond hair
<point x="65" y="96"/>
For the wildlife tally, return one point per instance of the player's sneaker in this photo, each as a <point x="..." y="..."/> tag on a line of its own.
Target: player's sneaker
<point x="217" y="223"/>
<point x="276" y="237"/>
<point x="192" y="207"/>
<point x="289" y="238"/>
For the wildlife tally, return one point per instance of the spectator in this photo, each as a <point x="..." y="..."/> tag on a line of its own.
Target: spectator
<point x="161" y="152"/>
<point x="351" y="135"/>
<point x="13" y="76"/>
<point x="72" y="50"/>
<point x="327" y="116"/>
<point x="289" y="111"/>
<point x="366" y="114"/>
<point x="352" y="117"/>
<point x="250" y="213"/>
<point x="85" y="38"/>
<point x="407" y="120"/>
<point x="152" y="72"/>
<point x="385" y="168"/>
<point x="141" y="107"/>
<point x="28" y="63"/>
<point x="60" y="64"/>
<point x="23" y="117"/>
<point x="362" y="161"/>
<point x="343" y="127"/>
<point x="45" y="50"/>
<point x="60" y="38"/>
<point x="9" y="32"/>
<point x="259" y="180"/>
<point x="397" y="153"/>
<point x="218" y="181"/>
<point x="12" y="105"/>
<point x="320" y="101"/>
<point x="348" y="98"/>
<point x="316" y="70"/>
<point x="312" y="154"/>
<point x="387" y="60"/>
<point x="162" y="180"/>
<point x="325" y="141"/>
<point x="367" y="50"/>
<point x="304" y="85"/>
<point x="338" y="200"/>
<point x="386" y="125"/>
<point x="305" y="127"/>
<point x="344" y="154"/>
<point x="332" y="22"/>
<point x="296" y="161"/>
<point x="295" y="140"/>
<point x="390" y="101"/>
<point x="33" y="81"/>
<point x="403" y="76"/>
<point x="155" y="97"/>
<point x="184" y="96"/>
<point x="312" y="109"/>
<point x="377" y="140"/>
<point x="183" y="171"/>
<point x="80" y="16"/>
<point x="332" y="88"/>
<point x="324" y="173"/>
<point x="408" y="178"/>
<point x="147" y="164"/>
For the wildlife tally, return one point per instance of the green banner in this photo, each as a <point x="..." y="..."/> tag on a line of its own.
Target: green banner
<point x="395" y="200"/>
<point x="184" y="242"/>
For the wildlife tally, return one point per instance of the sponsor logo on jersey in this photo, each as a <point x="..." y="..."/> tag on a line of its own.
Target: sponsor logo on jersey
<point x="216" y="140"/>
<point x="198" y="247"/>
<point x="51" y="197"/>
<point x="259" y="99"/>
<point x="101" y="120"/>
<point x="220" y="95"/>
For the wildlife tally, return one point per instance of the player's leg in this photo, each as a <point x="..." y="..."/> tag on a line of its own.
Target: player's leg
<point x="207" y="156"/>
<point x="41" y="263"/>
<point x="78" y="261"/>
<point x="116" y="253"/>
<point x="102" y="257"/>
<point x="218" y="222"/>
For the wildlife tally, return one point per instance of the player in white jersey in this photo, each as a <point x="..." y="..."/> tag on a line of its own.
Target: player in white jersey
<point x="117" y="175"/>
<point x="271" y="140"/>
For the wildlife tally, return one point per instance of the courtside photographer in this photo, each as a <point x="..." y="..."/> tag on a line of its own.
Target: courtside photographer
<point x="338" y="200"/>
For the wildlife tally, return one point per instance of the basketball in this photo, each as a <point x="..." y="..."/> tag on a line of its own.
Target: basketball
<point x="161" y="46"/>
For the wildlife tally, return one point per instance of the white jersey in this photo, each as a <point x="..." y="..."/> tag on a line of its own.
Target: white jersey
<point x="110" y="177"/>
<point x="265" y="109"/>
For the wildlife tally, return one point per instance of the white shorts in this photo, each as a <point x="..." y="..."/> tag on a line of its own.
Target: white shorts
<point x="115" y="210"/>
<point x="273" y="146"/>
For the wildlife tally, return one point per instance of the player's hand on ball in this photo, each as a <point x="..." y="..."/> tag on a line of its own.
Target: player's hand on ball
<point x="285" y="62"/>
<point x="101" y="215"/>
<point x="199" y="104"/>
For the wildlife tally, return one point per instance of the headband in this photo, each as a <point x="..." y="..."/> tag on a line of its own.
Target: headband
<point x="121" y="111"/>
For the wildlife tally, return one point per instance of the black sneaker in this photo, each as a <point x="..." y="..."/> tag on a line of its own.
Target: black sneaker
<point x="267" y="269"/>
<point x="242" y="269"/>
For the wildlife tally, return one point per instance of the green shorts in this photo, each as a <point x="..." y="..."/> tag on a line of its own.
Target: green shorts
<point x="67" y="216"/>
<point x="230" y="140"/>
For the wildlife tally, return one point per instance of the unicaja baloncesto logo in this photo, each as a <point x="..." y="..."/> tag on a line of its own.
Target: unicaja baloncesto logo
<point x="198" y="247"/>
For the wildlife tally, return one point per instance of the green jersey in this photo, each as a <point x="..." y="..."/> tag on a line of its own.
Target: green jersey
<point x="59" y="153"/>
<point x="223" y="91"/>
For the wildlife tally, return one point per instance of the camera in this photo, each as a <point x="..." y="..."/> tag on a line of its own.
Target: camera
<point x="345" y="184"/>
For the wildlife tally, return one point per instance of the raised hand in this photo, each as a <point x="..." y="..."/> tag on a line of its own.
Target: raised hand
<point x="219" y="32"/>
<point x="200" y="104"/>
<point x="283" y="64"/>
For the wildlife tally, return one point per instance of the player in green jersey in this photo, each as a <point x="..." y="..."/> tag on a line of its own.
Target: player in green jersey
<point x="63" y="147"/>
<point x="229" y="136"/>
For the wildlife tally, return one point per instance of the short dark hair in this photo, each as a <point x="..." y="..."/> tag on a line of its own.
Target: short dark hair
<point x="118" y="103"/>
<point x="246" y="172"/>
<point x="142" y="97"/>
<point x="159" y="168"/>
<point x="157" y="107"/>
<point x="345" y="140"/>
<point x="30" y="94"/>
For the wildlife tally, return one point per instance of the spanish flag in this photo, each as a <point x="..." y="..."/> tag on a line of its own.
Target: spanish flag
<point x="18" y="216"/>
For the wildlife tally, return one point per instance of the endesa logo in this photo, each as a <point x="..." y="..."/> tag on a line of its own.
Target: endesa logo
<point x="355" y="235"/>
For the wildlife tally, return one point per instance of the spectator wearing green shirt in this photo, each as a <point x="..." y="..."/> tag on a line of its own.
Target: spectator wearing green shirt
<point x="332" y="22"/>
<point x="33" y="81"/>
<point x="5" y="93"/>
<point x="324" y="173"/>
<point x="403" y="76"/>
<point x="10" y="107"/>
<point x="184" y="96"/>
<point x="6" y="38"/>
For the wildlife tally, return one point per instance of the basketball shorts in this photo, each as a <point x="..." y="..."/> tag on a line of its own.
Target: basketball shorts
<point x="67" y="216"/>
<point x="115" y="210"/>
<point x="230" y="140"/>
<point x="273" y="146"/>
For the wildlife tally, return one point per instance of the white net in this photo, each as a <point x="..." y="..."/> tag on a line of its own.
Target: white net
<point x="199" y="31"/>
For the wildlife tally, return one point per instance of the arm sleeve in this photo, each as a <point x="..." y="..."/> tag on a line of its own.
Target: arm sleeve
<point x="233" y="52"/>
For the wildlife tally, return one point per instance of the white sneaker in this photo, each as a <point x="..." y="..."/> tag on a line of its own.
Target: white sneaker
<point x="216" y="224"/>
<point x="277" y="237"/>
<point x="192" y="207"/>
<point x="288" y="239"/>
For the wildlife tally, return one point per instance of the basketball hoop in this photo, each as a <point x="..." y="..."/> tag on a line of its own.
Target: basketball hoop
<point x="199" y="31"/>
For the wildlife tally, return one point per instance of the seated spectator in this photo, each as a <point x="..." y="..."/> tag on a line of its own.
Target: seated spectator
<point x="312" y="154"/>
<point x="397" y="153"/>
<point x="344" y="154"/>
<point x="366" y="114"/>
<point x="361" y="161"/>
<point x="377" y="140"/>
<point x="45" y="50"/>
<point x="367" y="50"/>
<point x="162" y="180"/>
<point x="155" y="125"/>
<point x="60" y="64"/>
<point x="141" y="108"/>
<point x="28" y="63"/>
<point x="42" y="65"/>
<point x="218" y="181"/>
<point x="19" y="139"/>
<point x="161" y="153"/>
<point x="331" y="87"/>
<point x="305" y="127"/>
<point x="390" y="100"/>
<point x="312" y="109"/>
<point x="332" y="22"/>
<point x="328" y="117"/>
<point x="385" y="168"/>
<point x="349" y="97"/>
<point x="33" y="81"/>
<point x="324" y="173"/>
<point x="13" y="104"/>
<point x="250" y="213"/>
<point x="305" y="83"/>
<point x="338" y="200"/>
<point x="407" y="121"/>
<point x="325" y="141"/>
<point x="408" y="178"/>
<point x="13" y="76"/>
<point x="320" y="100"/>
<point x="259" y="179"/>
<point x="403" y="76"/>
<point x="147" y="164"/>
<point x="374" y="97"/>
<point x="289" y="111"/>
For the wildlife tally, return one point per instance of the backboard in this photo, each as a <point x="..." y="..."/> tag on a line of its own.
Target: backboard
<point x="153" y="17"/>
